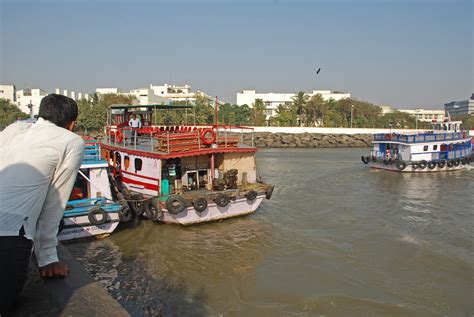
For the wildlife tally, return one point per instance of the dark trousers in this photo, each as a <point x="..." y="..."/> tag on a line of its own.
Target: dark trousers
<point x="15" y="253"/>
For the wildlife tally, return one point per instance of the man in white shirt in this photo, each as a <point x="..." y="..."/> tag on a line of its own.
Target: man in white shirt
<point x="135" y="123"/>
<point x="38" y="166"/>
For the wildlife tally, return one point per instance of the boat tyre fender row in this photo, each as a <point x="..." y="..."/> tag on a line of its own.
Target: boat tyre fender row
<point x="175" y="204"/>
<point x="431" y="165"/>
<point x="222" y="200"/>
<point x="365" y="159"/>
<point x="450" y="163"/>
<point x="97" y="216"/>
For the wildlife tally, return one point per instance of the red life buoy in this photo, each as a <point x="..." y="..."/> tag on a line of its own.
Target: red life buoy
<point x="118" y="136"/>
<point x="208" y="136"/>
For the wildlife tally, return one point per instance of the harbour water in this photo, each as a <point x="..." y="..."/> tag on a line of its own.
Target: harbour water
<point x="336" y="239"/>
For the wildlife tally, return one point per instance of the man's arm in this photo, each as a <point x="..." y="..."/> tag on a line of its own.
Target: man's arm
<point x="45" y="240"/>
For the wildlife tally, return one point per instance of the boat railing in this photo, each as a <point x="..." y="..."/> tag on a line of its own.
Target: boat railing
<point x="170" y="139"/>
<point x="422" y="137"/>
<point x="92" y="152"/>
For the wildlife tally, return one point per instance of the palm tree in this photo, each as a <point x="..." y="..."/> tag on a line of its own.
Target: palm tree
<point x="299" y="103"/>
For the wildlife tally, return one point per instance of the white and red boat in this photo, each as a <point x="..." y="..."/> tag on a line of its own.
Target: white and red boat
<point x="184" y="173"/>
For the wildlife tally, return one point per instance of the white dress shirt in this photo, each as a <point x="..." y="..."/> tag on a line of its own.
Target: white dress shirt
<point x="38" y="168"/>
<point x="135" y="123"/>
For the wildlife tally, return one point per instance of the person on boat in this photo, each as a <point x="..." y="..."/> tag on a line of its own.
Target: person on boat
<point x="388" y="154"/>
<point x="135" y="123"/>
<point x="38" y="167"/>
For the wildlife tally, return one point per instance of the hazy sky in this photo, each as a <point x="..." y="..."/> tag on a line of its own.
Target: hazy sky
<point x="404" y="53"/>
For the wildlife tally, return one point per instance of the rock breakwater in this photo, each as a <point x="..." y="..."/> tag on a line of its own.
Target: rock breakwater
<point x="308" y="140"/>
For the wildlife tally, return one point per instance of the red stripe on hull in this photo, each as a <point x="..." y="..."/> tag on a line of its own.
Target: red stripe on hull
<point x="145" y="185"/>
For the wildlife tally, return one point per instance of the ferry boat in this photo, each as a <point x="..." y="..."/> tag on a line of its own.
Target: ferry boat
<point x="447" y="147"/>
<point x="91" y="209"/>
<point x="183" y="174"/>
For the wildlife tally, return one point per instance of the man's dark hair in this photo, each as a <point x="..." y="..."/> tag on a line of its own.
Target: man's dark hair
<point x="59" y="109"/>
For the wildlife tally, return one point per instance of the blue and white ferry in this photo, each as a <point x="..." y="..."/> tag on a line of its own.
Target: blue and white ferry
<point x="91" y="209"/>
<point x="447" y="147"/>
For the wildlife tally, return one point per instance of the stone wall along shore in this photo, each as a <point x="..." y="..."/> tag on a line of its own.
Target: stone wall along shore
<point x="308" y="140"/>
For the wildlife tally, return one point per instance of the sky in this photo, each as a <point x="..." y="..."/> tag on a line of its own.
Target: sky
<point x="402" y="53"/>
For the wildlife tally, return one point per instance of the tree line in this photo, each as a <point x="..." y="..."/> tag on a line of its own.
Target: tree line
<point x="302" y="111"/>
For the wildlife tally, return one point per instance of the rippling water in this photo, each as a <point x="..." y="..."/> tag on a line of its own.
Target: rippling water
<point x="336" y="239"/>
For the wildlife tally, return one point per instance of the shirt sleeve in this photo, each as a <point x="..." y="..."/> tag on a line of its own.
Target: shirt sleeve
<point x="45" y="240"/>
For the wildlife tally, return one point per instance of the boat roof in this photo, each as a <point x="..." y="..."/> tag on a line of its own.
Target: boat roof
<point x="162" y="106"/>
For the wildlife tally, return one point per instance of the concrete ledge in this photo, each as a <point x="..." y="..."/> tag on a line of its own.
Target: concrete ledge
<point x="76" y="295"/>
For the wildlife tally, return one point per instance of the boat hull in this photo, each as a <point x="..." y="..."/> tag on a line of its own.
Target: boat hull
<point x="80" y="227"/>
<point x="238" y="207"/>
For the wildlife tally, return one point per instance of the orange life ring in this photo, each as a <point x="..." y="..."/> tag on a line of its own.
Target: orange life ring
<point x="208" y="136"/>
<point x="388" y="137"/>
<point x="118" y="136"/>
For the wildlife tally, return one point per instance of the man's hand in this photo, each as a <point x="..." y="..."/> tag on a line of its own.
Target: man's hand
<point x="54" y="270"/>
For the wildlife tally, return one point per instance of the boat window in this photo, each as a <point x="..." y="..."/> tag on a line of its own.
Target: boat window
<point x="126" y="162"/>
<point x="138" y="164"/>
<point x="118" y="160"/>
<point x="425" y="148"/>
<point x="435" y="147"/>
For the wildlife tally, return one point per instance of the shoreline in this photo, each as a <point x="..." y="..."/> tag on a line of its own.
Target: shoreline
<point x="308" y="140"/>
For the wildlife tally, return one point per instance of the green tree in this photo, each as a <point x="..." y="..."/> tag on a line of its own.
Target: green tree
<point x="9" y="113"/>
<point x="284" y="117"/>
<point x="299" y="102"/>
<point x="316" y="109"/>
<point x="258" y="113"/>
<point x="93" y="112"/>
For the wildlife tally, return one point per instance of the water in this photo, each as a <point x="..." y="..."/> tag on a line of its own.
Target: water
<point x="336" y="239"/>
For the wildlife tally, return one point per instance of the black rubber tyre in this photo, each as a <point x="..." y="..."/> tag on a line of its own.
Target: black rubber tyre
<point x="200" y="204"/>
<point x="251" y="195"/>
<point x="97" y="216"/>
<point x="450" y="163"/>
<point x="463" y="161"/>
<point x="175" y="204"/>
<point x="401" y="165"/>
<point x="414" y="165"/>
<point x="153" y="212"/>
<point x="269" y="193"/>
<point x="138" y="204"/>
<point x="365" y="159"/>
<point x="441" y="164"/>
<point x="423" y="164"/>
<point x="222" y="200"/>
<point x="431" y="165"/>
<point x="126" y="214"/>
<point x="457" y="162"/>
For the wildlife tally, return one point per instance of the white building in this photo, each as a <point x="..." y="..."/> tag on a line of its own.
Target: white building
<point x="8" y="92"/>
<point x="181" y="93"/>
<point x="104" y="91"/>
<point x="72" y="94"/>
<point x="146" y="96"/>
<point x="27" y="96"/>
<point x="273" y="100"/>
<point x="460" y="108"/>
<point x="426" y="115"/>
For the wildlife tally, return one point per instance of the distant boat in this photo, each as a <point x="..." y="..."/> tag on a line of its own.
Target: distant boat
<point x="448" y="147"/>
<point x="91" y="210"/>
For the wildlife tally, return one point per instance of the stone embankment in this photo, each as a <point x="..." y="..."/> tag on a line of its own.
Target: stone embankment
<point x="308" y="140"/>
